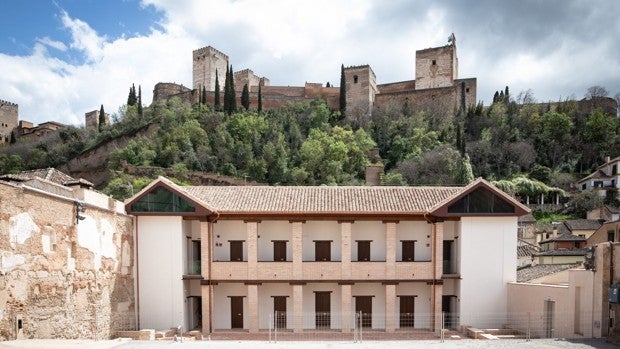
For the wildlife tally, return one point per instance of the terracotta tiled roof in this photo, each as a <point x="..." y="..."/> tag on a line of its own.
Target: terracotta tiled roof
<point x="583" y="224"/>
<point x="49" y="174"/>
<point x="526" y="250"/>
<point x="324" y="199"/>
<point x="563" y="252"/>
<point x="537" y="271"/>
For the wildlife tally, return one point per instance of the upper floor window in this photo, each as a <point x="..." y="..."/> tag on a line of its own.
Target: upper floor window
<point x="481" y="200"/>
<point x="279" y="250"/>
<point x="584" y="186"/>
<point x="355" y="79"/>
<point x="363" y="250"/>
<point x="162" y="200"/>
<point x="322" y="251"/>
<point x="614" y="169"/>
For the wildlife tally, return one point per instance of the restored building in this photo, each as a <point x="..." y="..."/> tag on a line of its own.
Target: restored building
<point x="605" y="179"/>
<point x="309" y="258"/>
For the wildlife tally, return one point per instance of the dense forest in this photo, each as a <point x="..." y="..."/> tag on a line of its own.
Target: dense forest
<point x="512" y="140"/>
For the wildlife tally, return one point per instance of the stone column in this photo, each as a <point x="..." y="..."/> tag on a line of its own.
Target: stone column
<point x="298" y="308"/>
<point x="390" y="308"/>
<point x="205" y="249"/>
<point x="345" y="307"/>
<point x="205" y="291"/>
<point x="437" y="290"/>
<point x="438" y="249"/>
<point x="253" y="308"/>
<point x="345" y="249"/>
<point x="252" y="243"/>
<point x="390" y="250"/>
<point x="296" y="240"/>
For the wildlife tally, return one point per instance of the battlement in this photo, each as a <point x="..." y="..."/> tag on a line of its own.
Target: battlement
<point x="209" y="49"/>
<point x="7" y="103"/>
<point x="244" y="71"/>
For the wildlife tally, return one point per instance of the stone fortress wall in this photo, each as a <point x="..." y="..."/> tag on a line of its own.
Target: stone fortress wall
<point x="436" y="82"/>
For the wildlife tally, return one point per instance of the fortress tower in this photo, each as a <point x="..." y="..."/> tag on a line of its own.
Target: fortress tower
<point x="436" y="67"/>
<point x="8" y="120"/>
<point x="361" y="88"/>
<point x="206" y="61"/>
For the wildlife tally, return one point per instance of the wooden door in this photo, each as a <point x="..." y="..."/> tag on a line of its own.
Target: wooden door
<point x="279" y="251"/>
<point x="363" y="304"/>
<point x="407" y="311"/>
<point x="322" y="309"/>
<point x="408" y="250"/>
<point x="279" y="311"/>
<point x="236" y="250"/>
<point x="236" y="312"/>
<point x="322" y="250"/>
<point x="363" y="251"/>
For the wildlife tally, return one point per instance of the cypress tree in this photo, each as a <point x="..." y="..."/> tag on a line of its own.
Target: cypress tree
<point x="245" y="97"/>
<point x="260" y="97"/>
<point x="131" y="98"/>
<point x="327" y="85"/>
<point x="216" y="103"/>
<point x="139" y="100"/>
<point x="507" y="95"/>
<point x="204" y="95"/>
<point x="101" y="118"/>
<point x="13" y="140"/>
<point x="343" y="92"/>
<point x="233" y="99"/>
<point x="227" y="91"/>
<point x="495" y="97"/>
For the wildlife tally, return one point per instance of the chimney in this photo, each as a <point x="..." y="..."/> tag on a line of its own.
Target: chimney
<point x="373" y="174"/>
<point x="607" y="159"/>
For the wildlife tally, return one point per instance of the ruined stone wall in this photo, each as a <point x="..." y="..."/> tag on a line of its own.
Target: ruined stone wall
<point x="60" y="278"/>
<point x="436" y="67"/>
<point x="8" y="120"/>
<point x="206" y="61"/>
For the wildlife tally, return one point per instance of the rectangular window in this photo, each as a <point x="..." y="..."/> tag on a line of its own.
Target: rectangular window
<point x="279" y="251"/>
<point x="322" y="250"/>
<point x="363" y="250"/>
<point x="236" y="251"/>
<point x="408" y="250"/>
<point x="610" y="235"/>
<point x="322" y="309"/>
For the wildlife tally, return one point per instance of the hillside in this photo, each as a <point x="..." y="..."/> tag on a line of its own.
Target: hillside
<point x="308" y="144"/>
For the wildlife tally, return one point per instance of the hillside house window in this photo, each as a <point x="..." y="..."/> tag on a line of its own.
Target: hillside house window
<point x="584" y="186"/>
<point x="598" y="184"/>
<point x="614" y="169"/>
<point x="610" y="235"/>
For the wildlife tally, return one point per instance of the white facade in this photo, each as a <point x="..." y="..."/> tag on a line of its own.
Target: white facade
<point x="488" y="262"/>
<point x="160" y="272"/>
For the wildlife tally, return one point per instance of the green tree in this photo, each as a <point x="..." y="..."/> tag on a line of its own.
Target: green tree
<point x="600" y="134"/>
<point x="101" y="118"/>
<point x="132" y="99"/>
<point x="585" y="201"/>
<point x="216" y="103"/>
<point x="464" y="174"/>
<point x="203" y="99"/>
<point x="554" y="138"/>
<point x="140" y="111"/>
<point x="227" y="90"/>
<point x="343" y="92"/>
<point x="245" y="97"/>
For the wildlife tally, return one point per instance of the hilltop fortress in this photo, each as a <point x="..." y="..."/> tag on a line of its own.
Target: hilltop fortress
<point x="436" y="83"/>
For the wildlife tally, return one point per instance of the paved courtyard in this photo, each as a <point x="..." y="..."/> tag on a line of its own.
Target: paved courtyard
<point x="448" y="344"/>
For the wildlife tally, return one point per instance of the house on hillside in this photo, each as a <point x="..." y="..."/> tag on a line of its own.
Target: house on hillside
<point x="608" y="232"/>
<point x="311" y="258"/>
<point x="604" y="179"/>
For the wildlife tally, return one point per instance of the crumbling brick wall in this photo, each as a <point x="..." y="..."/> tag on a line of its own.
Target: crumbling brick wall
<point x="61" y="277"/>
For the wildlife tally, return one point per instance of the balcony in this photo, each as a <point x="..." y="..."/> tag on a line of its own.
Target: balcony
<point x="229" y="270"/>
<point x="321" y="270"/>
<point x="275" y="271"/>
<point x="414" y="270"/>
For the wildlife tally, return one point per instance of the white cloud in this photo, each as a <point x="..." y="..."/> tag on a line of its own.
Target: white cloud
<point x="60" y="46"/>
<point x="291" y="42"/>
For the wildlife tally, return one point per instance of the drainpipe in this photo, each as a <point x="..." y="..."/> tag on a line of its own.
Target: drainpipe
<point x="137" y="276"/>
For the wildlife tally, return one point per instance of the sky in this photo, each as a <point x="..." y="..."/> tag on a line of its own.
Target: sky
<point x="62" y="58"/>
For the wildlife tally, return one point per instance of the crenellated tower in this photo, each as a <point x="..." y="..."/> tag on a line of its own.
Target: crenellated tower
<point x="8" y="120"/>
<point x="206" y="61"/>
